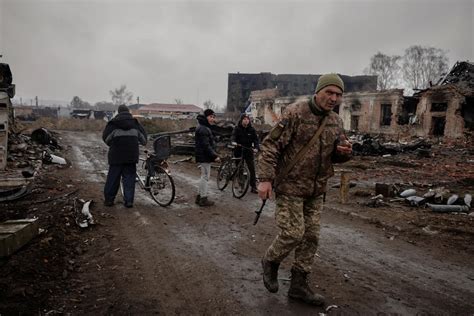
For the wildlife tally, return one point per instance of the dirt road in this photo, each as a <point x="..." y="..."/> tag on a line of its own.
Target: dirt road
<point x="189" y="260"/>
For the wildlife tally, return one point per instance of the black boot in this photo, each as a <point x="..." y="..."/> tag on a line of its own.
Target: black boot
<point x="300" y="290"/>
<point x="204" y="201"/>
<point x="270" y="275"/>
<point x="198" y="198"/>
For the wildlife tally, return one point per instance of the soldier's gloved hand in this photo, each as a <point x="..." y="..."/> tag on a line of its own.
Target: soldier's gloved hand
<point x="264" y="190"/>
<point x="217" y="159"/>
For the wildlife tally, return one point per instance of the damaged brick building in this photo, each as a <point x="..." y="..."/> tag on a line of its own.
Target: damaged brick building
<point x="442" y="110"/>
<point x="240" y="85"/>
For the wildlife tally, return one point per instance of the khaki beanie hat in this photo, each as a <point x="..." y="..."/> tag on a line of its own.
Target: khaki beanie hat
<point x="329" y="80"/>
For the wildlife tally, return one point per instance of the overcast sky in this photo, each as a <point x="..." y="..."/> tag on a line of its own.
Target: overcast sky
<point x="163" y="50"/>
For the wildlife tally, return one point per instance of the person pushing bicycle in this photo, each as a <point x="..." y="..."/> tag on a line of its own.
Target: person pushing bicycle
<point x="245" y="136"/>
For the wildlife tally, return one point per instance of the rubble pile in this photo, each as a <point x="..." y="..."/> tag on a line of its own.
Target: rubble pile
<point x="366" y="145"/>
<point x="25" y="158"/>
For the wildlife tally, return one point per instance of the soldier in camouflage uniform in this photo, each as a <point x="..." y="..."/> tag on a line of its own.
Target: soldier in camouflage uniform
<point x="299" y="194"/>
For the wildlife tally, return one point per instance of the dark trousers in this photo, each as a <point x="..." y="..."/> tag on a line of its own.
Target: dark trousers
<point x="126" y="173"/>
<point x="249" y="159"/>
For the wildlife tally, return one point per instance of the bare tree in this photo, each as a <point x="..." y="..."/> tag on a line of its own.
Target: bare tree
<point x="121" y="95"/>
<point x="422" y="65"/>
<point x="178" y="101"/>
<point x="78" y="103"/>
<point x="208" y="104"/>
<point x="386" y="68"/>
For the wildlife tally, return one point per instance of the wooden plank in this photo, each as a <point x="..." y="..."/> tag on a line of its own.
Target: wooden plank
<point x="14" y="234"/>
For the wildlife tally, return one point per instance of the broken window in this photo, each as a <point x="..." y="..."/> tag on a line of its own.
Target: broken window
<point x="355" y="122"/>
<point x="355" y="107"/>
<point x="437" y="125"/>
<point x="407" y="110"/>
<point x="439" y="107"/>
<point x="467" y="112"/>
<point x="386" y="115"/>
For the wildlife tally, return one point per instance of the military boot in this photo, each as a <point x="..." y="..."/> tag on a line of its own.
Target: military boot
<point x="198" y="198"/>
<point x="270" y="275"/>
<point x="300" y="290"/>
<point x="204" y="201"/>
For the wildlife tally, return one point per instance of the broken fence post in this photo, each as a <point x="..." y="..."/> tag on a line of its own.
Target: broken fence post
<point x="344" y="189"/>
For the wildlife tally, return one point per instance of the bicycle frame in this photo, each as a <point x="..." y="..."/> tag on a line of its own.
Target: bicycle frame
<point x="148" y="165"/>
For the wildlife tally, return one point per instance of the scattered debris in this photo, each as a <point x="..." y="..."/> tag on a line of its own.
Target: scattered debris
<point x="16" y="233"/>
<point x="468" y="199"/>
<point x="408" y="193"/>
<point x="415" y="200"/>
<point x="429" y="231"/>
<point x="331" y="307"/>
<point x="448" y="208"/>
<point x="50" y="158"/>
<point x="83" y="217"/>
<point x="453" y="199"/>
<point x="44" y="137"/>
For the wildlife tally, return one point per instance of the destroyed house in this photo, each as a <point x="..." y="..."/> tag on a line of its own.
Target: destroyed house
<point x="172" y="111"/>
<point x="444" y="111"/>
<point x="371" y="112"/>
<point x="447" y="109"/>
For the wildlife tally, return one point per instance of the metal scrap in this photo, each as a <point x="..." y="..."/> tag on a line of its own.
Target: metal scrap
<point x="83" y="216"/>
<point x="448" y="208"/>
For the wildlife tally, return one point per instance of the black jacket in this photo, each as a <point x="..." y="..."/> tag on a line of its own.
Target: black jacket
<point x="123" y="134"/>
<point x="205" y="146"/>
<point x="245" y="136"/>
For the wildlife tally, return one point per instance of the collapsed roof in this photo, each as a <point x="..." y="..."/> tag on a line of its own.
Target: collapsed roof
<point x="461" y="74"/>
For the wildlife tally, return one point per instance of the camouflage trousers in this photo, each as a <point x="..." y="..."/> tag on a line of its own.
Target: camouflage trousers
<point x="299" y="223"/>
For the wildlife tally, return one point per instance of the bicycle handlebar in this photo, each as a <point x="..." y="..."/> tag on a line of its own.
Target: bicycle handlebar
<point x="234" y="145"/>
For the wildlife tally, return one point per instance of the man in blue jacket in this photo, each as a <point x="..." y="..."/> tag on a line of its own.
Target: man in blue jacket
<point x="122" y="134"/>
<point x="205" y="149"/>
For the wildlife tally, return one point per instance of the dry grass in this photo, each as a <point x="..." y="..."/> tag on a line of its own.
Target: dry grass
<point x="71" y="124"/>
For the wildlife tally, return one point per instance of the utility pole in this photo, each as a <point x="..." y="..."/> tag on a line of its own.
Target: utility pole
<point x="36" y="101"/>
<point x="138" y="100"/>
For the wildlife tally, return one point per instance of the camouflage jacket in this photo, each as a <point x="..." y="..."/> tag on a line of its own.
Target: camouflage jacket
<point x="309" y="176"/>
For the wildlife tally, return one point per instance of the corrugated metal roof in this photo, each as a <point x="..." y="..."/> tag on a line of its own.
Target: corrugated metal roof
<point x="162" y="107"/>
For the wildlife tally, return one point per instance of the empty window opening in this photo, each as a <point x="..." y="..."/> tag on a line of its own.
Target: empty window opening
<point x="439" y="107"/>
<point x="437" y="126"/>
<point x="386" y="114"/>
<point x="355" y="122"/>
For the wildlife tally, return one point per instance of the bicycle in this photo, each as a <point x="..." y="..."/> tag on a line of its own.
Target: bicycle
<point x="234" y="169"/>
<point x="153" y="176"/>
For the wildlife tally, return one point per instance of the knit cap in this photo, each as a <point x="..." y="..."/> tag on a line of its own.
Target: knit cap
<point x="123" y="108"/>
<point x="329" y="80"/>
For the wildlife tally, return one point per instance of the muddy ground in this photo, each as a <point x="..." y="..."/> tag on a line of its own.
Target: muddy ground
<point x="391" y="259"/>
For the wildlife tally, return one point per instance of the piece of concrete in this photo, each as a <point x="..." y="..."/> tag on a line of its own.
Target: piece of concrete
<point x="14" y="234"/>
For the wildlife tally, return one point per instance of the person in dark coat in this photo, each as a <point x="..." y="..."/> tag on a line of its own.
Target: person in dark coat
<point x="122" y="134"/>
<point x="205" y="149"/>
<point x="246" y="137"/>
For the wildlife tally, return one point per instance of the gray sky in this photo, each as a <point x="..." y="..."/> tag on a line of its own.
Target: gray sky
<point x="164" y="50"/>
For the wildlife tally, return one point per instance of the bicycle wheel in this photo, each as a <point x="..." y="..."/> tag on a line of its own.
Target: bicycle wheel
<point x="241" y="181"/>
<point x="223" y="174"/>
<point x="162" y="188"/>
